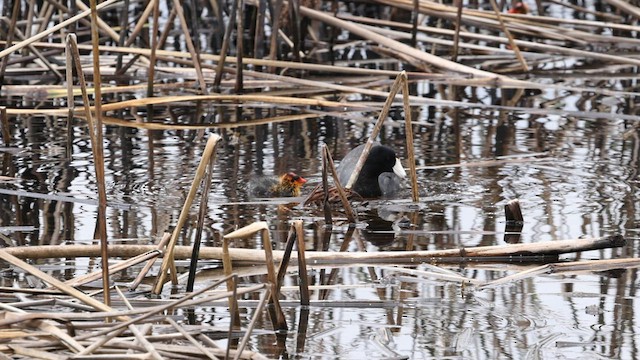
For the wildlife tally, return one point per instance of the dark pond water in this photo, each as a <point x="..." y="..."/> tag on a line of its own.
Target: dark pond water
<point x="575" y="177"/>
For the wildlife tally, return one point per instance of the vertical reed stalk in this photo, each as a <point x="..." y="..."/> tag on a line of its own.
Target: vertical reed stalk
<point x="239" y="47"/>
<point x="98" y="154"/>
<point x="409" y="136"/>
<point x="6" y="130"/>
<point x="10" y="33"/>
<point x="302" y="264"/>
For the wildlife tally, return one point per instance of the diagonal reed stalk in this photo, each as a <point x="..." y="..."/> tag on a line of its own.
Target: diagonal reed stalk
<point x="168" y="259"/>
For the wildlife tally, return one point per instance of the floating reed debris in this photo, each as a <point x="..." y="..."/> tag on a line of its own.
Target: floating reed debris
<point x="253" y="256"/>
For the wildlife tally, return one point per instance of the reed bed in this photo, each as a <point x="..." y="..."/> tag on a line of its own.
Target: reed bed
<point x="128" y="64"/>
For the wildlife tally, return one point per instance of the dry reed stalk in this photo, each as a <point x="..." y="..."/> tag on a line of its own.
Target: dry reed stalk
<point x="232" y="287"/>
<point x="149" y="264"/>
<point x="81" y="280"/>
<point x="9" y="39"/>
<point x="626" y="7"/>
<point x="51" y="30"/>
<point x="152" y="311"/>
<point x="36" y="354"/>
<point x="191" y="339"/>
<point x="296" y="235"/>
<point x="490" y="82"/>
<point x="321" y="257"/>
<point x="225" y="45"/>
<point x="326" y="207"/>
<point x="141" y="22"/>
<point x="137" y="333"/>
<point x="202" y="213"/>
<point x="351" y="215"/>
<point x="195" y="55"/>
<point x="506" y="31"/>
<point x="156" y="126"/>
<point x="456" y="36"/>
<point x="278" y="319"/>
<point x="101" y="24"/>
<point x="153" y="33"/>
<point x="409" y="51"/>
<point x="563" y="268"/>
<point x="77" y="316"/>
<point x="98" y="154"/>
<point x="409" y="136"/>
<point x="6" y="127"/>
<point x="448" y="276"/>
<point x="168" y="261"/>
<point x="264" y="297"/>
<point x="35" y="51"/>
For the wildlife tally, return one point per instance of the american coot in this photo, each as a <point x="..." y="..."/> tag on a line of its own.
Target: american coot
<point x="380" y="175"/>
<point x="288" y="184"/>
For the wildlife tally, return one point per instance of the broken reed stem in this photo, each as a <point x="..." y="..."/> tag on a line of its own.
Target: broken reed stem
<point x="4" y="255"/>
<point x="231" y="286"/>
<point x="149" y="264"/>
<point x="168" y="261"/>
<point x="277" y="317"/>
<point x="81" y="280"/>
<point x="351" y="216"/>
<point x="296" y="234"/>
<point x="202" y="213"/>
<point x="506" y="31"/>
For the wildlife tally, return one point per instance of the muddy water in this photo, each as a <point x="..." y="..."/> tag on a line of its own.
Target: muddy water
<point x="575" y="177"/>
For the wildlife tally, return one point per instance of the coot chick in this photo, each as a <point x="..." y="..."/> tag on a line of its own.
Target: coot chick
<point x="286" y="185"/>
<point x="380" y="175"/>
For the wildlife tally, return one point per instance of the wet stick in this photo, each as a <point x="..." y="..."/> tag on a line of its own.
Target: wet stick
<point x="168" y="259"/>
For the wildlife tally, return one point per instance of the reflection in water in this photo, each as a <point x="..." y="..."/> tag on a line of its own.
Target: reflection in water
<point x="574" y="177"/>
